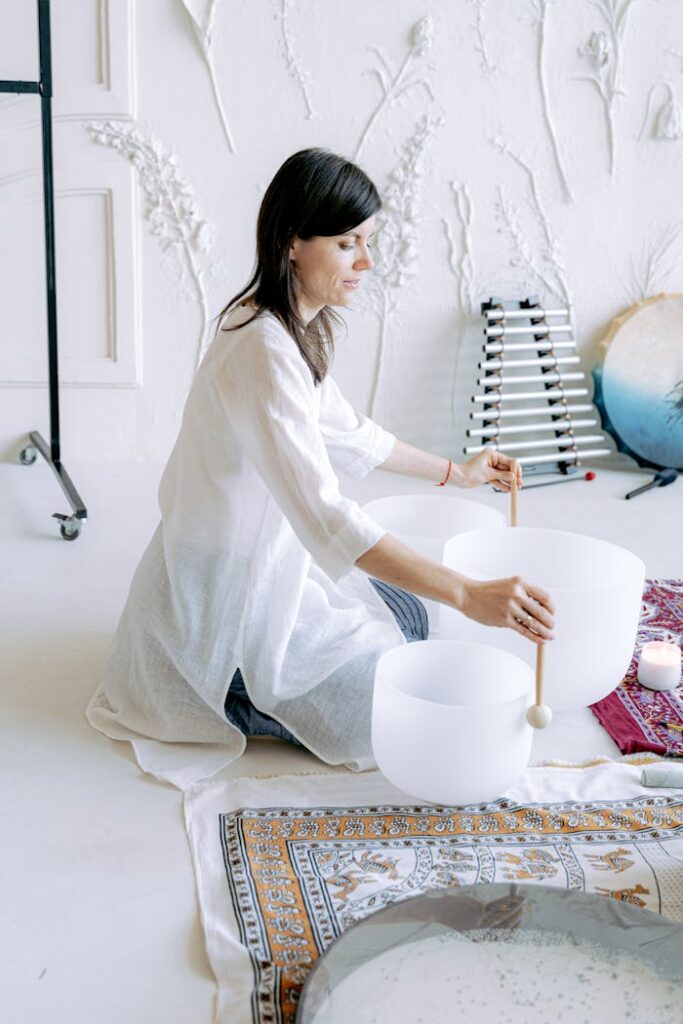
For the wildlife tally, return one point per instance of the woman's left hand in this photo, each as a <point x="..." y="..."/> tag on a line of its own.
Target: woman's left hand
<point x="488" y="467"/>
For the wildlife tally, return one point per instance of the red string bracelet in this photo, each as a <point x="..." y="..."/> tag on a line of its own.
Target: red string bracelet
<point x="448" y="473"/>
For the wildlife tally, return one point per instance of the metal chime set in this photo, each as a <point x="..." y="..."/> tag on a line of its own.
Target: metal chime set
<point x="529" y="388"/>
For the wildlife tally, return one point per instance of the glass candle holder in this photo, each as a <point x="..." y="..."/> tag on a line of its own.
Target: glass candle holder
<point x="659" y="666"/>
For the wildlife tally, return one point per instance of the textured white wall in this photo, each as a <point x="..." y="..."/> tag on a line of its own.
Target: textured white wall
<point x="496" y="159"/>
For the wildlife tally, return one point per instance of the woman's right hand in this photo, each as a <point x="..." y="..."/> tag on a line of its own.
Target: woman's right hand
<point x="511" y="603"/>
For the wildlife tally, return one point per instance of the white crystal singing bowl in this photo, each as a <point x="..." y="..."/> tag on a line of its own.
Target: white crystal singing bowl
<point x="449" y="720"/>
<point x="596" y="588"/>
<point x="425" y="522"/>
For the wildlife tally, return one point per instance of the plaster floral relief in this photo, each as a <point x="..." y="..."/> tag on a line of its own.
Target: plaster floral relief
<point x="540" y="9"/>
<point x="396" y="82"/>
<point x="461" y="262"/>
<point x="396" y="239"/>
<point x="677" y="55"/>
<point x="300" y="76"/>
<point x="462" y="268"/>
<point x="658" y="260"/>
<point x="488" y="65"/>
<point x="540" y="262"/>
<point x="603" y="54"/>
<point x="172" y="210"/>
<point x="668" y="121"/>
<point x="202" y="14"/>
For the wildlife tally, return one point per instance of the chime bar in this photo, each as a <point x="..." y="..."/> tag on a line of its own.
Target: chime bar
<point x="521" y="314"/>
<point x="555" y="442"/>
<point x="510" y="364"/>
<point x="537" y="329"/>
<point x="494" y="380"/>
<point x="531" y="386"/>
<point x="494" y="347"/>
<point x="595" y="453"/>
<point x="559" y="409"/>
<point x="528" y="428"/>
<point x="549" y="394"/>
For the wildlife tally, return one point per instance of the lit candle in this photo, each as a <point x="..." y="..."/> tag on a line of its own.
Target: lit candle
<point x="659" y="667"/>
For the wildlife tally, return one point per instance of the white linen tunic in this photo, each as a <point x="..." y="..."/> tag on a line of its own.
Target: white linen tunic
<point x="252" y="566"/>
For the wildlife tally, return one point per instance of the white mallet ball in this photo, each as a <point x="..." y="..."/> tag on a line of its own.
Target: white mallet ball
<point x="539" y="716"/>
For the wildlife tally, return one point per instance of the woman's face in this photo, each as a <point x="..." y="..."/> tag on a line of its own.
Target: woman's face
<point x="328" y="268"/>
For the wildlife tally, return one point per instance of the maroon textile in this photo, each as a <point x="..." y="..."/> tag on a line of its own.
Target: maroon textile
<point x="637" y="718"/>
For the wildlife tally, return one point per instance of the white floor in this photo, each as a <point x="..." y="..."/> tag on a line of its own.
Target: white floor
<point x="99" y="919"/>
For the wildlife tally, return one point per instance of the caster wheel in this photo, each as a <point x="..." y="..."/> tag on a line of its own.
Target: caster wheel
<point x="28" y="455"/>
<point x="69" y="526"/>
<point x="69" y="532"/>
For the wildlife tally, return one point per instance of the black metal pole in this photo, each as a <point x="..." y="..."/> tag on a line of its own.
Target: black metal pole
<point x="69" y="526"/>
<point x="49" y="217"/>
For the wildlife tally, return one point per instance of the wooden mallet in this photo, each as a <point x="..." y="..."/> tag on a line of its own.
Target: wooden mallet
<point x="539" y="714"/>
<point x="513" y="495"/>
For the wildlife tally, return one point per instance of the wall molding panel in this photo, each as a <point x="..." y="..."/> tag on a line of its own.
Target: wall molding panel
<point x="93" y="59"/>
<point x="112" y="91"/>
<point x="96" y="263"/>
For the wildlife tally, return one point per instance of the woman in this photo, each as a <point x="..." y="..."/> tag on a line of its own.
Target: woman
<point x="252" y="610"/>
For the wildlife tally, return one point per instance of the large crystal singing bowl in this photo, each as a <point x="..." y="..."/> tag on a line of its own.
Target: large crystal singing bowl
<point x="425" y="522"/>
<point x="449" y="720"/>
<point x="596" y="588"/>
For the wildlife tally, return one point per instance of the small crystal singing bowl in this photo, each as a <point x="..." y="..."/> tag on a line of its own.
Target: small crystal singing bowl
<point x="430" y="519"/>
<point x="425" y="522"/>
<point x="449" y="720"/>
<point x="659" y="665"/>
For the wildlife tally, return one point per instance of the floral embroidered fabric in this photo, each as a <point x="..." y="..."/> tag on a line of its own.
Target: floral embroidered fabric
<point x="636" y="718"/>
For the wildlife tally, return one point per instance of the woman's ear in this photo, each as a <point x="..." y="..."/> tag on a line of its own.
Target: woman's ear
<point x="293" y="249"/>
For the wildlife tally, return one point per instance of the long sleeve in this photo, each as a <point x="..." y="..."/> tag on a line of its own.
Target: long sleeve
<point x="268" y="396"/>
<point x="356" y="445"/>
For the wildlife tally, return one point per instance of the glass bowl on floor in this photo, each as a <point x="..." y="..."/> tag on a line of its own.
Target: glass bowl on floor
<point x="449" y="720"/>
<point x="493" y="952"/>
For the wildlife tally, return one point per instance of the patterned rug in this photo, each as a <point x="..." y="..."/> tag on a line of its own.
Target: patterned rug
<point x="636" y="718"/>
<point x="284" y="865"/>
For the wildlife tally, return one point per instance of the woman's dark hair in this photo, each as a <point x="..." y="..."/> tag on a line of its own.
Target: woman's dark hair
<point x="313" y="193"/>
